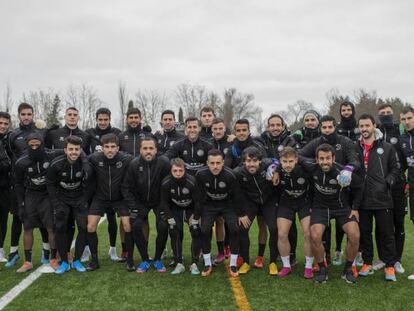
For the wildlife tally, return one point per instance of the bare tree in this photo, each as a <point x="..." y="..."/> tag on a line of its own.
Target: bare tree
<point x="192" y="98"/>
<point x="41" y="100"/>
<point x="7" y="99"/>
<point x="86" y="100"/>
<point x="123" y="102"/>
<point x="151" y="103"/>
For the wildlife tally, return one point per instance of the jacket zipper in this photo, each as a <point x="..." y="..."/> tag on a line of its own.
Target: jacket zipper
<point x="110" y="183"/>
<point x="134" y="145"/>
<point x="149" y="183"/>
<point x="258" y="188"/>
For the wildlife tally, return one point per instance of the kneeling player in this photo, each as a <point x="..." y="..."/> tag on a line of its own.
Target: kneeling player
<point x="261" y="198"/>
<point x="180" y="196"/>
<point x="294" y="184"/>
<point x="333" y="199"/>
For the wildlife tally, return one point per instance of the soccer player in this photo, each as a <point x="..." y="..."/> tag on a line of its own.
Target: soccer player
<point x="108" y="169"/>
<point x="331" y="199"/>
<point x="35" y="209"/>
<point x="407" y="148"/>
<point x="391" y="134"/>
<point x="66" y="178"/>
<point x="103" y="127"/>
<point x="260" y="197"/>
<point x="310" y="129"/>
<point x="193" y="148"/>
<point x="180" y="197"/>
<point x="220" y="196"/>
<point x="5" y="186"/>
<point x="348" y="125"/>
<point x="207" y="116"/>
<point x="168" y="135"/>
<point x="380" y="172"/>
<point x="141" y="189"/>
<point x="294" y="187"/>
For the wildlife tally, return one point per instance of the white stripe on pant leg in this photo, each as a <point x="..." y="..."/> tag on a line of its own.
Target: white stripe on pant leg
<point x="26" y="282"/>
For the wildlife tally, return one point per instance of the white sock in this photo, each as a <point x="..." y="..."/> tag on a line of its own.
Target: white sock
<point x="286" y="261"/>
<point x="112" y="248"/>
<point x="233" y="260"/>
<point x="87" y="249"/>
<point x="13" y="249"/>
<point x="46" y="246"/>
<point x="207" y="259"/>
<point x="308" y="262"/>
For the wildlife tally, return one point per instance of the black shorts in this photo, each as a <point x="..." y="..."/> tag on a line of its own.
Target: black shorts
<point x="38" y="212"/>
<point x="5" y="200"/>
<point x="67" y="212"/>
<point x="324" y="216"/>
<point x="213" y="210"/>
<point x="288" y="210"/>
<point x="99" y="208"/>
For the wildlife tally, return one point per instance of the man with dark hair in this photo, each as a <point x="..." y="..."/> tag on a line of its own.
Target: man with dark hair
<point x="380" y="172"/>
<point x="391" y="134"/>
<point x="168" y="135"/>
<point x="5" y="185"/>
<point x="18" y="145"/>
<point x="260" y="198"/>
<point x="108" y="169"/>
<point x="220" y="196"/>
<point x="180" y="197"/>
<point x="207" y="116"/>
<point x="233" y="159"/>
<point x="276" y="137"/>
<point x="103" y="127"/>
<point x="348" y="125"/>
<point x="193" y="148"/>
<point x="55" y="138"/>
<point x="66" y="180"/>
<point x="129" y="140"/>
<point x="310" y="129"/>
<point x="141" y="190"/>
<point x="407" y="147"/>
<point x="294" y="189"/>
<point x="345" y="154"/>
<point x="333" y="200"/>
<point x="35" y="210"/>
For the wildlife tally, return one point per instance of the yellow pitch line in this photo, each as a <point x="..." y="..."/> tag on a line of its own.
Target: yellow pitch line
<point x="239" y="294"/>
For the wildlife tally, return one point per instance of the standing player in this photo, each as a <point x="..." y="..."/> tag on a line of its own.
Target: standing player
<point x="207" y="116"/>
<point x="141" y="189"/>
<point x="310" y="129"/>
<point x="168" y="134"/>
<point x="348" y="126"/>
<point x="380" y="171"/>
<point x="180" y="197"/>
<point x="220" y="196"/>
<point x="66" y="178"/>
<point x="35" y="209"/>
<point x="108" y="169"/>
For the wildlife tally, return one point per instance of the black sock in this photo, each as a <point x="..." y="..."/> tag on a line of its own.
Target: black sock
<point x="124" y="248"/>
<point x="28" y="255"/>
<point x="53" y="253"/>
<point x="261" y="249"/>
<point x="220" y="247"/>
<point x="348" y="264"/>
<point x="93" y="245"/>
<point x="321" y="265"/>
<point x="46" y="253"/>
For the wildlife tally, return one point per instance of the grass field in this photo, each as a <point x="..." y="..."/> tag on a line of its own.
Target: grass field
<point x="112" y="288"/>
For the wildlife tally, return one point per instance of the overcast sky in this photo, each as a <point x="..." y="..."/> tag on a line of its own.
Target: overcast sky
<point x="280" y="51"/>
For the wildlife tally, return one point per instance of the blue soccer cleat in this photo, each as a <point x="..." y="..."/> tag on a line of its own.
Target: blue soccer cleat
<point x="78" y="266"/>
<point x="64" y="267"/>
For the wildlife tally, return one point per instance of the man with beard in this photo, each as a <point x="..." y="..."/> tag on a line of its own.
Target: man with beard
<point x="233" y="159"/>
<point x="331" y="199"/>
<point x="35" y="209"/>
<point x="108" y="169"/>
<point x="345" y="155"/>
<point x="310" y="129"/>
<point x="193" y="148"/>
<point x="66" y="179"/>
<point x="391" y="134"/>
<point x="406" y="143"/>
<point x="103" y="127"/>
<point x="260" y="198"/>
<point x="380" y="171"/>
<point x="18" y="145"/>
<point x="141" y="189"/>
<point x="180" y="197"/>
<point x="5" y="186"/>
<point x="220" y="196"/>
<point x="168" y="135"/>
<point x="207" y="116"/>
<point x="348" y="125"/>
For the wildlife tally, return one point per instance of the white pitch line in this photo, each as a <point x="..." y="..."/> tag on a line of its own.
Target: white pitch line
<point x="27" y="281"/>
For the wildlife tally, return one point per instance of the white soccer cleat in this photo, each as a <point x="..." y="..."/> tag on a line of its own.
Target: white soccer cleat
<point x="112" y="254"/>
<point x="2" y="256"/>
<point x="86" y="254"/>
